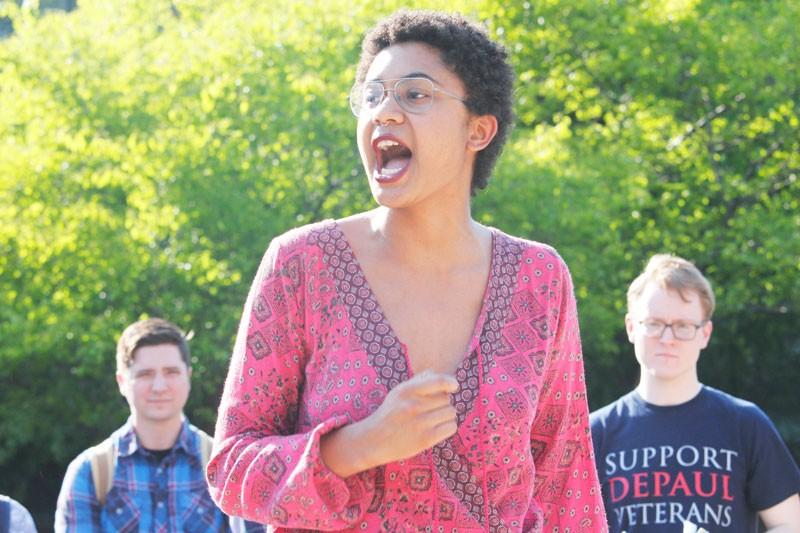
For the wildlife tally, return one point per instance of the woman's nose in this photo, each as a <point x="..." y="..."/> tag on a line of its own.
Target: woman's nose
<point x="387" y="110"/>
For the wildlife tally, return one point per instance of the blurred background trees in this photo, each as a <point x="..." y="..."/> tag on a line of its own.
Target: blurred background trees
<point x="149" y="151"/>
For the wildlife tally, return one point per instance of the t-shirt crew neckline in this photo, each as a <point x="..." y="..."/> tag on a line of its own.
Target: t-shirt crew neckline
<point x="685" y="406"/>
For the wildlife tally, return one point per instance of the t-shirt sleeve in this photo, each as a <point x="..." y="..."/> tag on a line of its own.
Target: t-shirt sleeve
<point x="598" y="421"/>
<point x="261" y="468"/>
<point x="566" y="480"/>
<point x="772" y="475"/>
<point x="597" y="426"/>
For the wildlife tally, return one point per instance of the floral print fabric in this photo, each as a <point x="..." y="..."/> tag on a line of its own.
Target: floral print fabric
<point x="315" y="352"/>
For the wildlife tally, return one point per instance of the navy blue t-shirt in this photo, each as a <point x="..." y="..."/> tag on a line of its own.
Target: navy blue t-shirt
<point x="714" y="461"/>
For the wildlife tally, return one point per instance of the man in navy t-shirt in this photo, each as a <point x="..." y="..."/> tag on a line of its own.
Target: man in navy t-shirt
<point x="675" y="455"/>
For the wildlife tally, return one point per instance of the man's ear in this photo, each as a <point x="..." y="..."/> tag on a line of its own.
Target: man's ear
<point x="120" y="382"/>
<point x="629" y="325"/>
<point x="482" y="129"/>
<point x="706" y="330"/>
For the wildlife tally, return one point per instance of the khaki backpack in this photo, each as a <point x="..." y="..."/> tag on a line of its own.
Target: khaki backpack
<point x="104" y="462"/>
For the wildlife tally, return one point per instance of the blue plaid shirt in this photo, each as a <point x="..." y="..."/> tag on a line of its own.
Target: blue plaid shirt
<point x="147" y="494"/>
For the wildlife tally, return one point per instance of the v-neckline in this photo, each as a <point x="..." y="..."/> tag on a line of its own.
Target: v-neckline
<point x="390" y="336"/>
<point x="388" y="357"/>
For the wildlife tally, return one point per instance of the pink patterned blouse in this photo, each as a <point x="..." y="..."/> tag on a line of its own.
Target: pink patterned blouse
<point x="315" y="352"/>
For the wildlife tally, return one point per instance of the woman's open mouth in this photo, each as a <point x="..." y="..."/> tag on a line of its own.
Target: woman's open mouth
<point x="392" y="158"/>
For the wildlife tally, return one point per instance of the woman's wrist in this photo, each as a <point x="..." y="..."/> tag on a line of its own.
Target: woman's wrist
<point x="347" y="451"/>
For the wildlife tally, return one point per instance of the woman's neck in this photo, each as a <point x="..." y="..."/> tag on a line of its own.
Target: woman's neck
<point x="425" y="236"/>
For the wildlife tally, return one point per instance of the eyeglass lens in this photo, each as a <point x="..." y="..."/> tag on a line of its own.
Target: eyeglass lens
<point x="680" y="330"/>
<point x="415" y="95"/>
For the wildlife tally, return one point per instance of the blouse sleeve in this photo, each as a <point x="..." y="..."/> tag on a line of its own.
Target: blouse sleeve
<point x="566" y="487"/>
<point x="261" y="468"/>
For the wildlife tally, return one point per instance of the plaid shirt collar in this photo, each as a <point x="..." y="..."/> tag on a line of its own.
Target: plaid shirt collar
<point x="128" y="442"/>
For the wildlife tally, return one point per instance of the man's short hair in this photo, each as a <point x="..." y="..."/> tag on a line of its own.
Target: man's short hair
<point x="673" y="273"/>
<point x="150" y="332"/>
<point x="468" y="52"/>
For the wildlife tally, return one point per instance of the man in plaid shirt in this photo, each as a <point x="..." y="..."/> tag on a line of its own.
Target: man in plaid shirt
<point x="153" y="465"/>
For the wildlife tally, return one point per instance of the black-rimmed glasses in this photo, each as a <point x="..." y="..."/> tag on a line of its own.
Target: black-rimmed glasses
<point x="683" y="331"/>
<point x="414" y="95"/>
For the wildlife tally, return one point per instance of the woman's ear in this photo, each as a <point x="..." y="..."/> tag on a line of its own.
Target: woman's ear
<point x="482" y="130"/>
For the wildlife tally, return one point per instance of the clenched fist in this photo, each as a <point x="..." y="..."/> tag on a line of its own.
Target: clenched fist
<point x="414" y="416"/>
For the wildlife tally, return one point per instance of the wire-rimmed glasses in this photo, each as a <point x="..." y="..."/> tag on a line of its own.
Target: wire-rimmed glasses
<point x="414" y="95"/>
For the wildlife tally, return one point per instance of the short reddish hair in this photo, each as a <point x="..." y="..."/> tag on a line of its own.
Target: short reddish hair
<point x="677" y="274"/>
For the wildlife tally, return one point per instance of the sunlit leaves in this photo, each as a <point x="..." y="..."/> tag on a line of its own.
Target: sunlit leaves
<point x="682" y="137"/>
<point x="150" y="150"/>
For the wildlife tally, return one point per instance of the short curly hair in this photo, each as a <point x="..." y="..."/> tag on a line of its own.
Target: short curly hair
<point x="466" y="49"/>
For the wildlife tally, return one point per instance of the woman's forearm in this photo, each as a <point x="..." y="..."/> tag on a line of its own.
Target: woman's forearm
<point x="345" y="450"/>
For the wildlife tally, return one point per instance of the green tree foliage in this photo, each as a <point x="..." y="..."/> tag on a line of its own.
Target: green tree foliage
<point x="664" y="126"/>
<point x="150" y="150"/>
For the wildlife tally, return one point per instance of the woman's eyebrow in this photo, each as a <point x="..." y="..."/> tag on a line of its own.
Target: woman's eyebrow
<point x="420" y="75"/>
<point x="409" y="75"/>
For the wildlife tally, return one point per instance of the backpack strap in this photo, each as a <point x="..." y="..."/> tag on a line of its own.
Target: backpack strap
<point x="103" y="459"/>
<point x="206" y="444"/>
